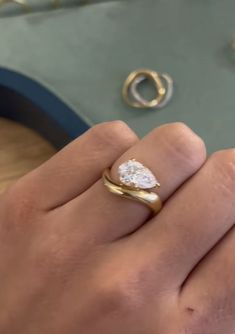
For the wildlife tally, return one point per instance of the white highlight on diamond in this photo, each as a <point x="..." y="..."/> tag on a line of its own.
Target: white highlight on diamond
<point x="133" y="174"/>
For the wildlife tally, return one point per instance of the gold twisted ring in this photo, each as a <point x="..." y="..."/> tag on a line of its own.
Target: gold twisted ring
<point x="136" y="182"/>
<point x="169" y="90"/>
<point x="163" y="84"/>
<point x="151" y="75"/>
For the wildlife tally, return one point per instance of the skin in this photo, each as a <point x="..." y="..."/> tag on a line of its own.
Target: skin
<point x="75" y="258"/>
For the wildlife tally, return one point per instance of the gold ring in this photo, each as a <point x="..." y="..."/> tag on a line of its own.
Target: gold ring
<point x="136" y="182"/>
<point x="168" y="83"/>
<point x="155" y="78"/>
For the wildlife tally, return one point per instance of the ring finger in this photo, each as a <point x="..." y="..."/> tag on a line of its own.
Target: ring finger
<point x="172" y="152"/>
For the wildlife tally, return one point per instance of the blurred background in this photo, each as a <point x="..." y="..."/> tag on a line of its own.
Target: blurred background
<point x="21" y="150"/>
<point x="63" y="64"/>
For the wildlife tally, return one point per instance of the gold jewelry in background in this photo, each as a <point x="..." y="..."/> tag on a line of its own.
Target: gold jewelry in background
<point x="167" y="82"/>
<point x="151" y="75"/>
<point x="233" y="44"/>
<point x="56" y="3"/>
<point x="22" y="3"/>
<point x="163" y="84"/>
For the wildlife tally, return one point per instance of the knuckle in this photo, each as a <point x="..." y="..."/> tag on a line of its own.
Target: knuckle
<point x="115" y="126"/>
<point x="183" y="142"/>
<point x="116" y="296"/>
<point x="19" y="205"/>
<point x="114" y="133"/>
<point x="224" y="169"/>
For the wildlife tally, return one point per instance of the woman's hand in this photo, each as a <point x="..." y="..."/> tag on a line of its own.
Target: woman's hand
<point x="76" y="259"/>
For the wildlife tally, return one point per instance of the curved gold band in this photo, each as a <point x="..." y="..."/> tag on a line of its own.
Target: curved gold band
<point x="151" y="199"/>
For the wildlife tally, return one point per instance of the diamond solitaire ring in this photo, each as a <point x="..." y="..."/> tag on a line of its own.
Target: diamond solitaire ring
<point x="136" y="182"/>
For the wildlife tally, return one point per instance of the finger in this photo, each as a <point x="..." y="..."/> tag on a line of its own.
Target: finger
<point x="80" y="164"/>
<point x="209" y="291"/>
<point x="193" y="221"/>
<point x="172" y="152"/>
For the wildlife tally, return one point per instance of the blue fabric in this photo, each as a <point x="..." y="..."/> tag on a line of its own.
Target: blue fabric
<point x="28" y="102"/>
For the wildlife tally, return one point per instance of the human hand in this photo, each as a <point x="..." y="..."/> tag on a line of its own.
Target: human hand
<point x="75" y="258"/>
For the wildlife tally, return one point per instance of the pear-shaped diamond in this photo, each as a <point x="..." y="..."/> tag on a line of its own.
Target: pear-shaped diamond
<point x="133" y="174"/>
